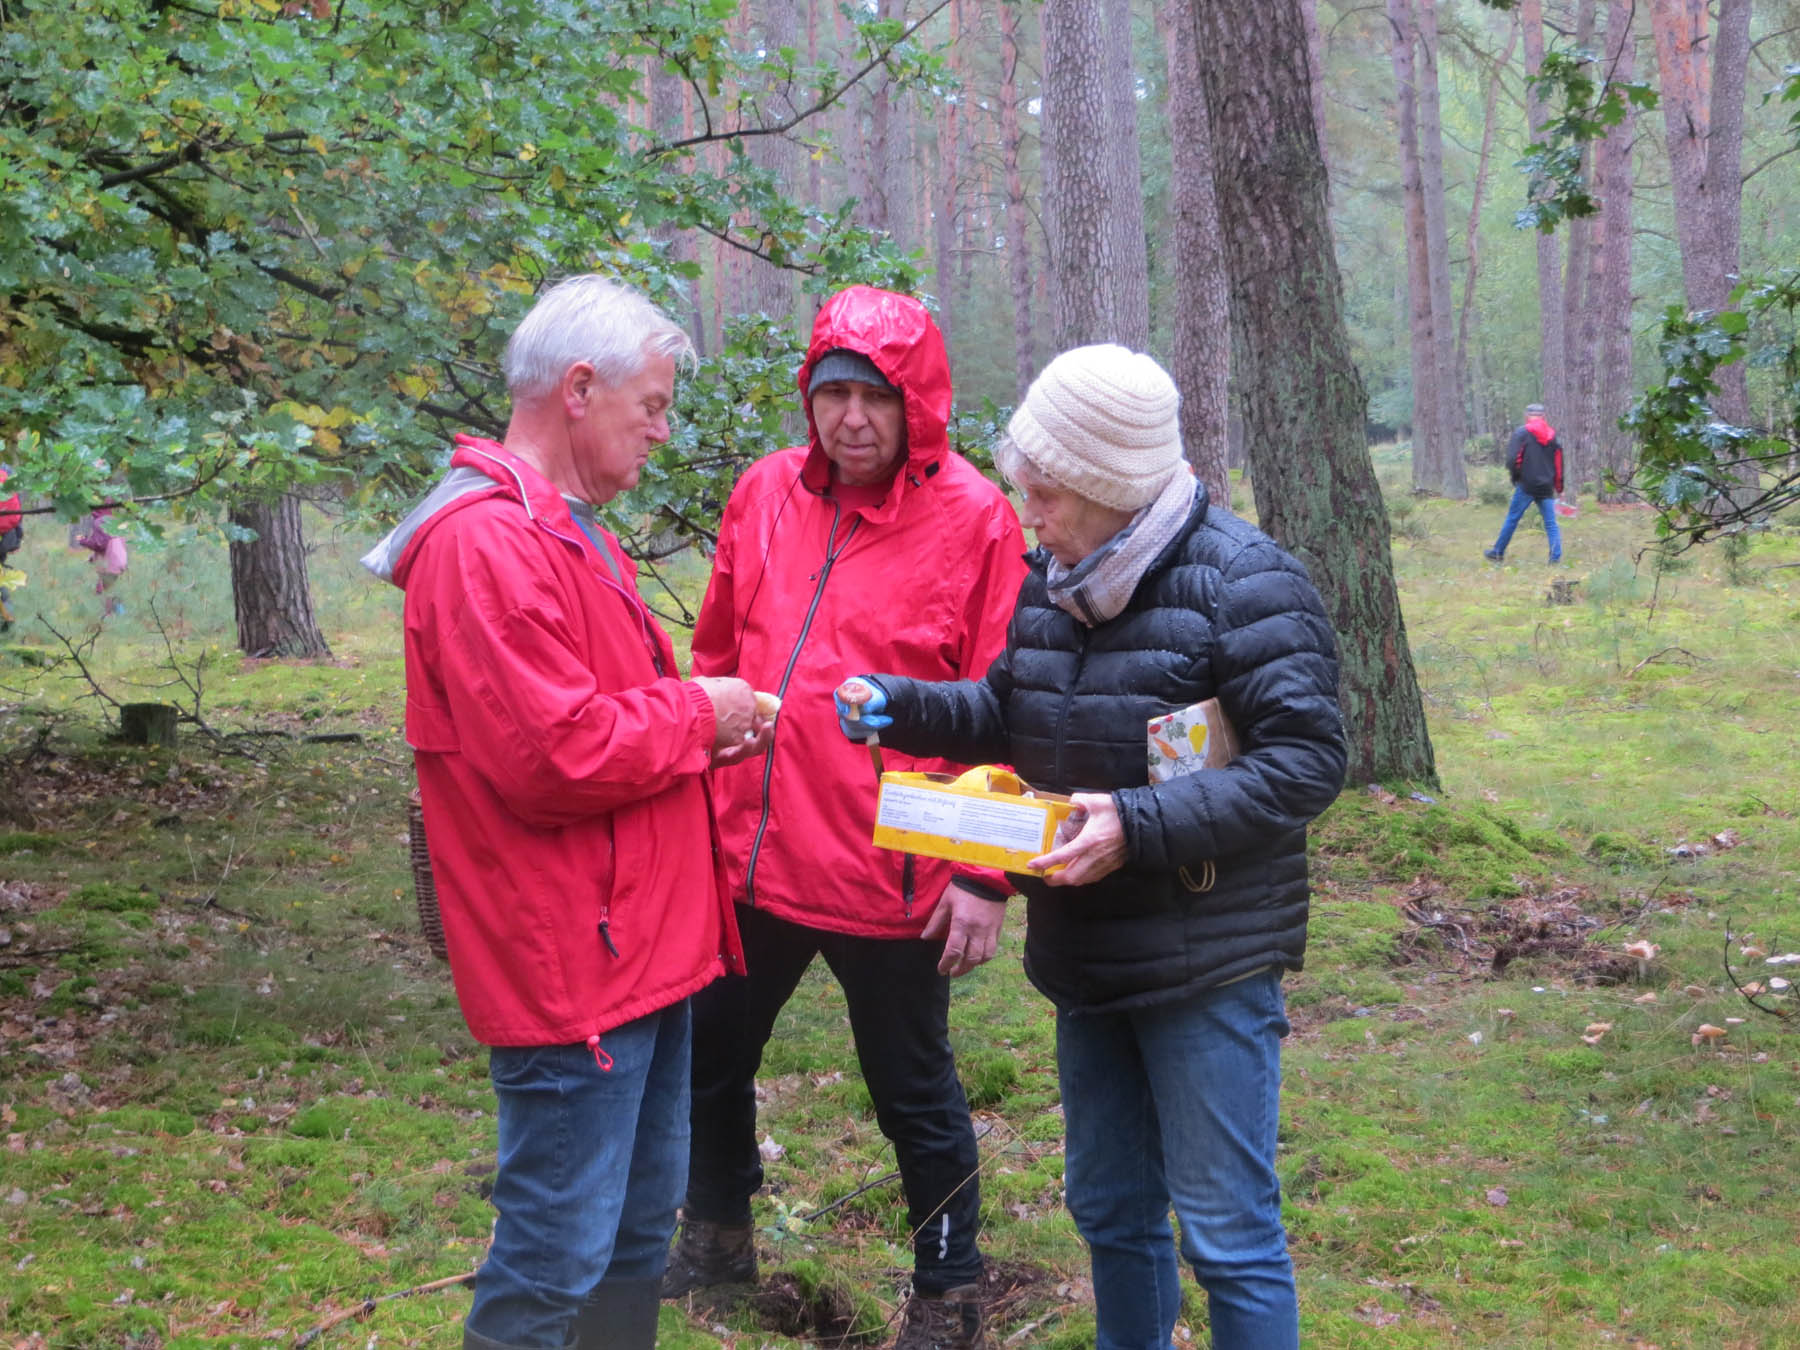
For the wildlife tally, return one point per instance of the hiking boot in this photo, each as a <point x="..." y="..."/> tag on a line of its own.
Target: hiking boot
<point x="947" y="1321"/>
<point x="706" y="1254"/>
<point x="1490" y="554"/>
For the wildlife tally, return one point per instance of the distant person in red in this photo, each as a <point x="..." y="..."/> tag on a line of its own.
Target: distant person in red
<point x="110" y="556"/>
<point x="1534" y="459"/>
<point x="12" y="534"/>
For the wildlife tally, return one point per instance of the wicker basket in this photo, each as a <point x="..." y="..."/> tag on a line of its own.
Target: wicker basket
<point x="424" y="888"/>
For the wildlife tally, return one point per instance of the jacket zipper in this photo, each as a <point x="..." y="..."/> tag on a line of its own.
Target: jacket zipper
<point x="1062" y="717"/>
<point x="762" y="825"/>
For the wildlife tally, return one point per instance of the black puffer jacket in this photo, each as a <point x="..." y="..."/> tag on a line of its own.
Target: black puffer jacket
<point x="1223" y="612"/>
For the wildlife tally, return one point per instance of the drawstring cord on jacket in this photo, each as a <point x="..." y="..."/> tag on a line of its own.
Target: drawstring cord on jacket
<point x="604" y="1060"/>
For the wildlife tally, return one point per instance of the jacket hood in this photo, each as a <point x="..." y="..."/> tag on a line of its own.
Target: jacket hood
<point x="1538" y="427"/>
<point x="899" y="335"/>
<point x="478" y="466"/>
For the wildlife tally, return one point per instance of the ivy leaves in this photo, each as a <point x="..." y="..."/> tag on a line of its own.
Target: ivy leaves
<point x="1707" y="476"/>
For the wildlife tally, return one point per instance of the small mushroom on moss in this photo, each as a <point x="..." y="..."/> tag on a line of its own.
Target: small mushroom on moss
<point x="1754" y="987"/>
<point x="1706" y="1031"/>
<point x="1751" y="950"/>
<point x="1595" y="1030"/>
<point x="1695" y="990"/>
<point x="1645" y="952"/>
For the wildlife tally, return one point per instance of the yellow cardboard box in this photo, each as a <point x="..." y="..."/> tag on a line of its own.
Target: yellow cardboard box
<point x="986" y="816"/>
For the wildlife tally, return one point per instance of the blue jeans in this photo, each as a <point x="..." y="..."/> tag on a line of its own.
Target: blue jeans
<point x="1176" y="1104"/>
<point x="592" y="1164"/>
<point x="1521" y="503"/>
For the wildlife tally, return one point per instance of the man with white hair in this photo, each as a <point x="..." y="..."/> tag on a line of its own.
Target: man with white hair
<point x="563" y="768"/>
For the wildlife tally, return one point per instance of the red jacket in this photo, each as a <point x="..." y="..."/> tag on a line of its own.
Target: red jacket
<point x="806" y="592"/>
<point x="10" y="516"/>
<point x="1536" y="460"/>
<point x="562" y="763"/>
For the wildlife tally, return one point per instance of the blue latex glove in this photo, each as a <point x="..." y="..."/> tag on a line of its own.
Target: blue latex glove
<point x="872" y="720"/>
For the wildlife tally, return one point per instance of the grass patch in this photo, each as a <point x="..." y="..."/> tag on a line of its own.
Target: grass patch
<point x="237" y="1095"/>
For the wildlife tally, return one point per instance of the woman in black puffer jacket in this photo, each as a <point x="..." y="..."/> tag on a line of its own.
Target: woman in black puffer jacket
<point x="1177" y="905"/>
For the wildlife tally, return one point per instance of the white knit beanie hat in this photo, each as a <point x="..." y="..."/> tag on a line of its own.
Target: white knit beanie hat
<point x="1101" y="422"/>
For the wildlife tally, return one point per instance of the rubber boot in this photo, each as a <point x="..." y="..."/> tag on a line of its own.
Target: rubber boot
<point x="619" y="1315"/>
<point x="474" y="1340"/>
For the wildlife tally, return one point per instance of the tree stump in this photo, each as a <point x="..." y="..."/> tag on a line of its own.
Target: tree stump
<point x="147" y="723"/>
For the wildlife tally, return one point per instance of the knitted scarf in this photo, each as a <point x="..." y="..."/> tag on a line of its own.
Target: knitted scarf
<point x="1097" y="587"/>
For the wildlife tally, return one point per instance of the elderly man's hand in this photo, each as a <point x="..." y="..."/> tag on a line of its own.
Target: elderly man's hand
<point x="762" y="736"/>
<point x="1094" y="850"/>
<point x="970" y="926"/>
<point x="734" y="710"/>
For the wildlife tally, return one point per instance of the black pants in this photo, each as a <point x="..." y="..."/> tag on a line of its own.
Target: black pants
<point x="899" y="1015"/>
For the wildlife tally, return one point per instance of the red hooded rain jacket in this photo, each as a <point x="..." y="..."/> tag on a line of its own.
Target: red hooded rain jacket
<point x="562" y="764"/>
<point x="807" y="591"/>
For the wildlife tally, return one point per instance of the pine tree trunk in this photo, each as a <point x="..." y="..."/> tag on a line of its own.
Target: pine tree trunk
<point x="1578" y="417"/>
<point x="1303" y="401"/>
<point x="1703" y="112"/>
<point x="1614" y="302"/>
<point x="855" y="136"/>
<point x="268" y="582"/>
<point x="1315" y="55"/>
<point x="1472" y="239"/>
<point x="773" y="289"/>
<point x="878" y="200"/>
<point x="669" y="112"/>
<point x="1427" y="427"/>
<point x="943" y="211"/>
<point x="1018" y="218"/>
<point x="1549" y="266"/>
<point x="1202" y="346"/>
<point x="1453" y="479"/>
<point x="1078" y="180"/>
<point x="900" y="179"/>
<point x="1131" y="274"/>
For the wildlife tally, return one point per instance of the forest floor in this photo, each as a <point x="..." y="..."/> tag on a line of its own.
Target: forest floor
<point x="238" y="1103"/>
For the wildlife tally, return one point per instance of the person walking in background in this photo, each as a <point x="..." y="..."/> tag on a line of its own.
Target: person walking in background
<point x="1534" y="460"/>
<point x="107" y="552"/>
<point x="1160" y="925"/>
<point x="12" y="536"/>
<point x="872" y="545"/>
<point x="563" y="770"/>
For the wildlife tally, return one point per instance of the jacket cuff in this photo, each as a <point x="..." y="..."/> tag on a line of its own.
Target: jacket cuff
<point x="987" y="882"/>
<point x="706" y="722"/>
